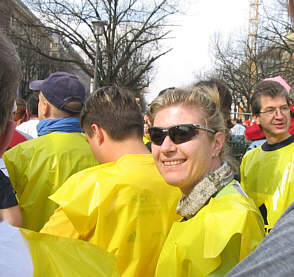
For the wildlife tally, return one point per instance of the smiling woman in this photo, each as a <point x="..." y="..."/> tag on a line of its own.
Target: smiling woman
<point x="220" y="224"/>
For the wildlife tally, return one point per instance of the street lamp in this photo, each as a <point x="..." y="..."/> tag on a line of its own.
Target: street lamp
<point x="98" y="31"/>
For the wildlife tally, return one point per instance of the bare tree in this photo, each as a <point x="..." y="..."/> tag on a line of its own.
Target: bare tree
<point x="276" y="41"/>
<point x="241" y="68"/>
<point x="235" y="67"/>
<point x="36" y="66"/>
<point x="130" y="42"/>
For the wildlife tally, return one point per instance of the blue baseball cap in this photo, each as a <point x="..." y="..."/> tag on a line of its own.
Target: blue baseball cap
<point x="60" y="89"/>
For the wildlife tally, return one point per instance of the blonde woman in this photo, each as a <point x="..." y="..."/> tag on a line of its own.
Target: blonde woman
<point x="220" y="224"/>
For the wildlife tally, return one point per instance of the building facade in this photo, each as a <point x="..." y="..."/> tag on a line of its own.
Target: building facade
<point x="38" y="50"/>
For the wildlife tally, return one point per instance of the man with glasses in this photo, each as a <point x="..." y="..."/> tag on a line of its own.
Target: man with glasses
<point x="266" y="171"/>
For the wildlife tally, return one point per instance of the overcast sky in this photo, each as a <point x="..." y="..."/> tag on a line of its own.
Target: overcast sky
<point x="192" y="37"/>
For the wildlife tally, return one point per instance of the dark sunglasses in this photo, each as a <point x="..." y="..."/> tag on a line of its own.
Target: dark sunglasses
<point x="178" y="134"/>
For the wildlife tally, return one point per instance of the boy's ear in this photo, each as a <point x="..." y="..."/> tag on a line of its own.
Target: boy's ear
<point x="98" y="133"/>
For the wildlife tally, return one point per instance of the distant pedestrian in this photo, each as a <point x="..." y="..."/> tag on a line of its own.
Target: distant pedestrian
<point x="30" y="127"/>
<point x="237" y="132"/>
<point x="20" y="115"/>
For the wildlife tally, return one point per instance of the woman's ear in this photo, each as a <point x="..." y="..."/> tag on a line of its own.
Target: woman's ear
<point x="219" y="140"/>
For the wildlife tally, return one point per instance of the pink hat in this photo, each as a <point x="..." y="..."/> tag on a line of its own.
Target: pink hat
<point x="280" y="80"/>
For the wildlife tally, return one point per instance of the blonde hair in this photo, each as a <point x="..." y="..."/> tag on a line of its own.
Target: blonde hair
<point x="207" y="101"/>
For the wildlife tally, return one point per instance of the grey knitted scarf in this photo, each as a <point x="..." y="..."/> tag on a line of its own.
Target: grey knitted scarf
<point x="189" y="205"/>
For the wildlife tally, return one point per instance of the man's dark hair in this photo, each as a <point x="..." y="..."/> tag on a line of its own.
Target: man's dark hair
<point x="266" y="88"/>
<point x="115" y="110"/>
<point x="224" y="92"/>
<point x="165" y="90"/>
<point x="225" y="96"/>
<point x="9" y="78"/>
<point x="32" y="104"/>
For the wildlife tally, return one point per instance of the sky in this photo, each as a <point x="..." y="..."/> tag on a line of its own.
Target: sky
<point x="191" y="39"/>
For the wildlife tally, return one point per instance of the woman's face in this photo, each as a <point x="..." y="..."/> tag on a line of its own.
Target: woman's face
<point x="185" y="164"/>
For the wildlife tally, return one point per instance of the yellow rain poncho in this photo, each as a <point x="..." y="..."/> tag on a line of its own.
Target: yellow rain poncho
<point x="27" y="253"/>
<point x="124" y="207"/>
<point x="220" y="235"/>
<point x="146" y="139"/>
<point x="37" y="168"/>
<point x="268" y="178"/>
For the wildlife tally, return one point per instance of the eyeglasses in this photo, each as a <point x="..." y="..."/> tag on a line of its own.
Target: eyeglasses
<point x="178" y="134"/>
<point x="271" y="111"/>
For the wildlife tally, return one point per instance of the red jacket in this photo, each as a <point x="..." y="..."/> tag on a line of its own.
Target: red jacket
<point x="16" y="139"/>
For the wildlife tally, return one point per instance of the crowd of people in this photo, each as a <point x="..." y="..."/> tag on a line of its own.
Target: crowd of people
<point x="88" y="189"/>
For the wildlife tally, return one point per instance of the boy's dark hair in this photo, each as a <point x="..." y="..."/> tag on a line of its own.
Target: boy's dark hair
<point x="9" y="78"/>
<point x="115" y="110"/>
<point x="266" y="88"/>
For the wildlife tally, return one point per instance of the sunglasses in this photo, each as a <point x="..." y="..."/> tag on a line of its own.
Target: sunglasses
<point x="178" y="134"/>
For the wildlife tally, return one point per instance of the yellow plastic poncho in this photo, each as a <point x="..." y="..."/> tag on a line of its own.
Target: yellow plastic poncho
<point x="124" y="207"/>
<point x="220" y="235"/>
<point x="37" y="168"/>
<point x="146" y="139"/>
<point x="50" y="256"/>
<point x="268" y="178"/>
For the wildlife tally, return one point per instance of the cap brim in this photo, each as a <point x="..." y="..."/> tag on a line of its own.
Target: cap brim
<point x="36" y="85"/>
